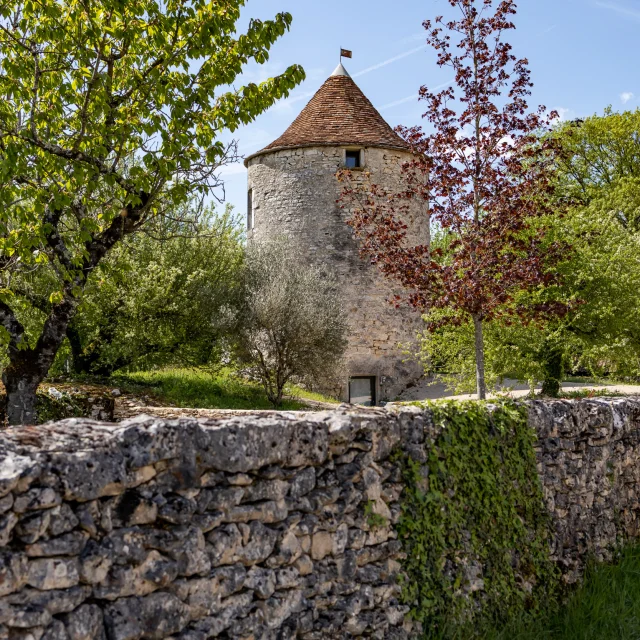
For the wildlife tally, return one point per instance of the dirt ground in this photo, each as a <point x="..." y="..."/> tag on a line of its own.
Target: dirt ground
<point x="128" y="405"/>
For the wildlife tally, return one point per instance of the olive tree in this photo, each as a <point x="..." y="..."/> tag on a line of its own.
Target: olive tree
<point x="291" y="324"/>
<point x="111" y="115"/>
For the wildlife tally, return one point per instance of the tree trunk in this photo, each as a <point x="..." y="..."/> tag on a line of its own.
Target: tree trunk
<point x="79" y="362"/>
<point x="552" y="366"/>
<point x="479" y="346"/>
<point x="21" y="387"/>
<point x="28" y="367"/>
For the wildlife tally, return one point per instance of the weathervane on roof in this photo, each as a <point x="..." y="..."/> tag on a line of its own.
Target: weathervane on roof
<point x="345" y="53"/>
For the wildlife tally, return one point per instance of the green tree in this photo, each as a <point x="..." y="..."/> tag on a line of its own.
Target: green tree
<point x="291" y="322"/>
<point x="164" y="297"/>
<point x="600" y="276"/>
<point x="110" y="117"/>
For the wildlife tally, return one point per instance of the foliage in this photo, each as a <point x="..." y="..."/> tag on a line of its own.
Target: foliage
<point x="110" y="116"/>
<point x="475" y="511"/>
<point x="374" y="520"/>
<point x="448" y="353"/>
<point x="486" y="175"/>
<point x="600" y="277"/>
<point x="160" y="298"/>
<point x="57" y="406"/>
<point x="600" y="173"/>
<point x="603" y="153"/>
<point x="199" y="389"/>
<point x="291" y="324"/>
<point x="605" y="607"/>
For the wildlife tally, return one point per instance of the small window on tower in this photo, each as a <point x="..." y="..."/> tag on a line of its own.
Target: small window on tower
<point x="352" y="159"/>
<point x="250" y="210"/>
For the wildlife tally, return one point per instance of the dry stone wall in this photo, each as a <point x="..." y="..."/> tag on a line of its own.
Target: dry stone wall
<point x="589" y="462"/>
<point x="277" y="526"/>
<point x="246" y="528"/>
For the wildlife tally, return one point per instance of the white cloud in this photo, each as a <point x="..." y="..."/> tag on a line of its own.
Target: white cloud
<point x="564" y="114"/>
<point x="229" y="170"/>
<point x="285" y="105"/>
<point x="422" y="35"/>
<point x="260" y="72"/>
<point x="384" y="63"/>
<point x="624" y="11"/>
<point x="627" y="96"/>
<point x="413" y="96"/>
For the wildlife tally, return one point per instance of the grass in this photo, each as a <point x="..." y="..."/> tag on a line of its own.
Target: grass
<point x="202" y="390"/>
<point x="578" y="394"/>
<point x="605" y="607"/>
<point x="587" y="380"/>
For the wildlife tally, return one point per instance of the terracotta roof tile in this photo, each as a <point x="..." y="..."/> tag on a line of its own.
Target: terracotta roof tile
<point x="338" y="114"/>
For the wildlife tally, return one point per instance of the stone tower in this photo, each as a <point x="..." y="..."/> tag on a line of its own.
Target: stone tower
<point x="292" y="191"/>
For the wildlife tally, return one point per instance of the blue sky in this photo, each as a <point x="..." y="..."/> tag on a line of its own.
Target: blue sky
<point x="584" y="55"/>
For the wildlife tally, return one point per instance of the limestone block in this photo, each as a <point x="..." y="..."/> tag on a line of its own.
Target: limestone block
<point x="56" y="601"/>
<point x="23" y="617"/>
<point x="231" y="609"/>
<point x="177" y="509"/>
<point x="219" y="499"/>
<point x="89" y="517"/>
<point x="302" y="483"/>
<point x="62" y="520"/>
<point x="95" y="562"/>
<point x="56" y="631"/>
<point x="288" y="550"/>
<point x="12" y="468"/>
<point x="132" y="508"/>
<point x="321" y="545"/>
<point x="7" y="523"/>
<point x="68" y="544"/>
<point x="53" y="573"/>
<point x="273" y="490"/>
<point x="85" y="623"/>
<point x="155" y="572"/>
<point x="262" y="581"/>
<point x="267" y="512"/>
<point x="33" y="526"/>
<point x="37" y="498"/>
<point x="204" y="595"/>
<point x="91" y="474"/>
<point x="155" y="616"/>
<point x="6" y="503"/>
<point x="185" y="545"/>
<point x="281" y="607"/>
<point x="14" y="568"/>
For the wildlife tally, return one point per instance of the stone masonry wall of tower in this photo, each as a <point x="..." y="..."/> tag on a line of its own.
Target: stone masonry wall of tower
<point x="294" y="193"/>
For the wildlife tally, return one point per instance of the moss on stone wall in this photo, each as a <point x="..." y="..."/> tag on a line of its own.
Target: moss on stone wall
<point x="474" y="526"/>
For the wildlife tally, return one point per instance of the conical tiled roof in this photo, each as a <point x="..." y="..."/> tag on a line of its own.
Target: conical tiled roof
<point x="338" y="114"/>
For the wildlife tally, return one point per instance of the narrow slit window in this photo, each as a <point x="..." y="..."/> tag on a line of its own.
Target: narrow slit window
<point x="250" y="210"/>
<point x="352" y="159"/>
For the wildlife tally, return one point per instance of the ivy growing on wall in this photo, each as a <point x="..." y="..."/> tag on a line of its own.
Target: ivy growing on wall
<point x="474" y="527"/>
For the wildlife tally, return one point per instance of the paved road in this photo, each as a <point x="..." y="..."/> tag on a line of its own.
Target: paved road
<point x="512" y="388"/>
